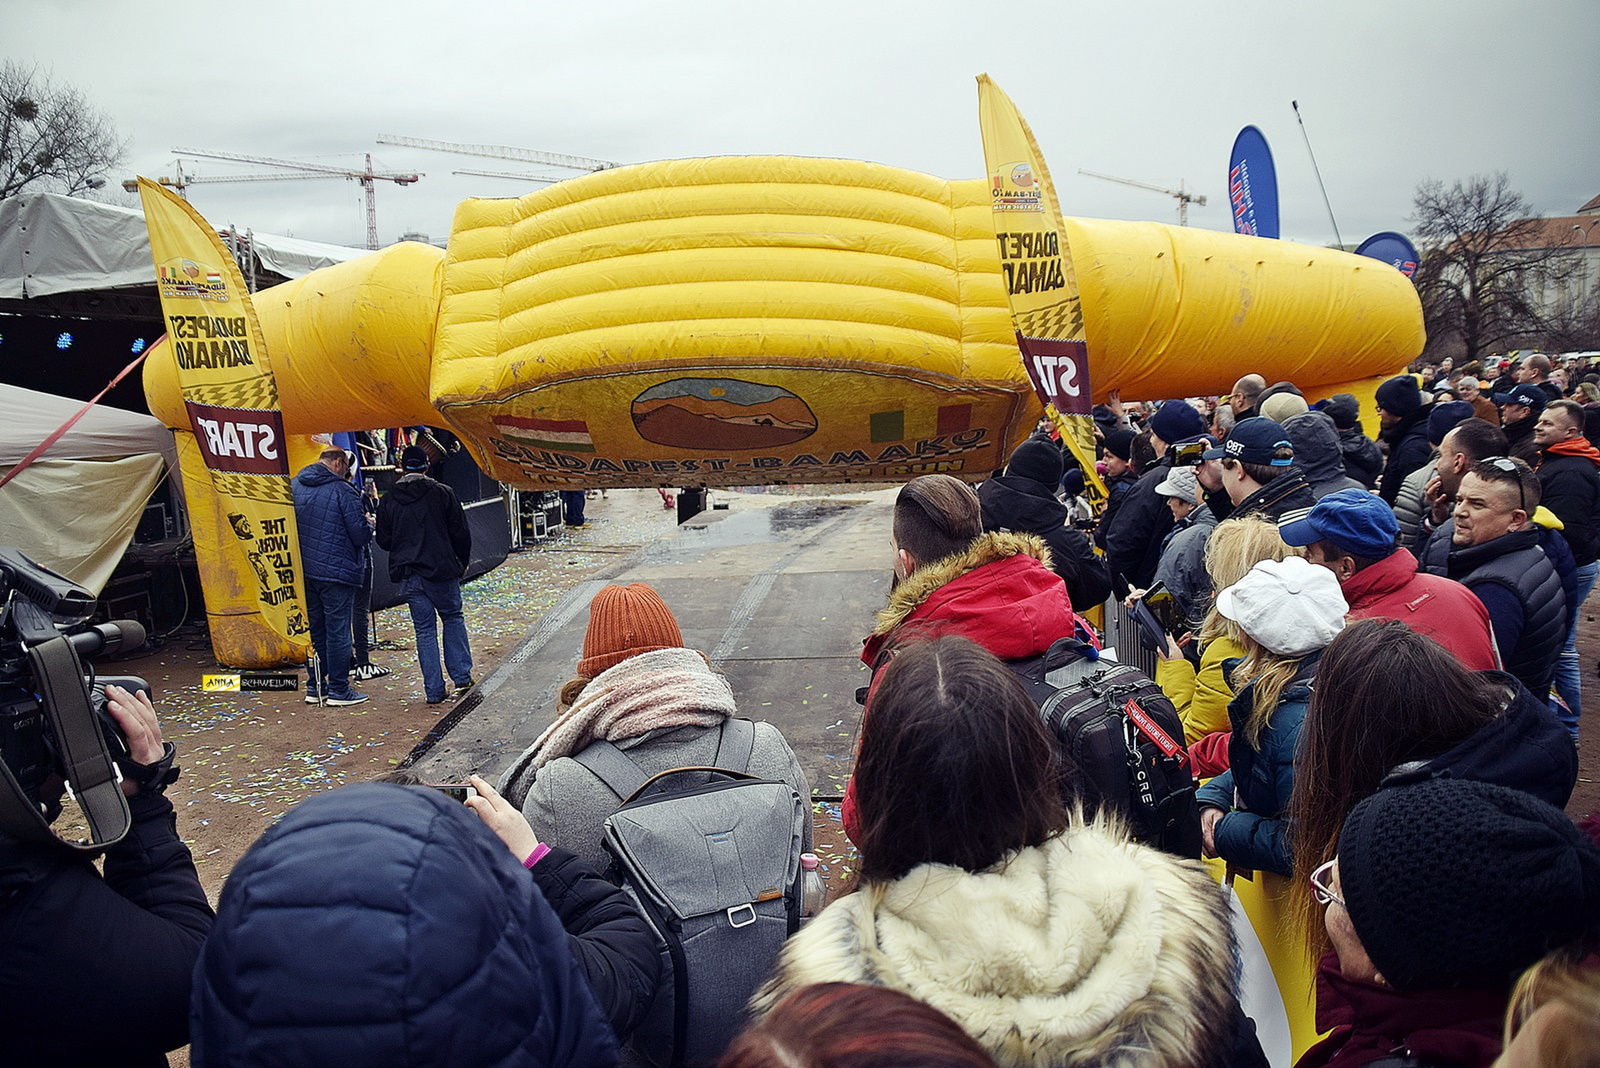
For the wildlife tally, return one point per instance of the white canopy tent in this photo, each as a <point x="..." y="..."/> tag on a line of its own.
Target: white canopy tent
<point x="75" y="508"/>
<point x="52" y="244"/>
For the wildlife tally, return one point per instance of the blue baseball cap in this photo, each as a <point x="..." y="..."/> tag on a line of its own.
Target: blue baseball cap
<point x="1353" y="519"/>
<point x="1254" y="441"/>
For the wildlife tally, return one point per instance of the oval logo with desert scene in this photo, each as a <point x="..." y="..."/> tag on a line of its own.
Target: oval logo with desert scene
<point x="713" y="414"/>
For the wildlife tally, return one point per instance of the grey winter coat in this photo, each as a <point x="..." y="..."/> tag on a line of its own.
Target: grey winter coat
<point x="567" y="804"/>
<point x="1183" y="564"/>
<point x="1409" y="507"/>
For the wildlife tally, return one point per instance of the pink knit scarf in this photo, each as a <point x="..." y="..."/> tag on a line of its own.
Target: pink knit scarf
<point x="664" y="688"/>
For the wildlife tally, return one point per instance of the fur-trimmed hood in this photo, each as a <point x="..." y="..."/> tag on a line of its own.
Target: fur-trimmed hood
<point x="1086" y="950"/>
<point x="999" y="591"/>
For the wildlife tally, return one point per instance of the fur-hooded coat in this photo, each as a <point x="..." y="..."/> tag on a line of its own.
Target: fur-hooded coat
<point x="1086" y="950"/>
<point x="999" y="591"/>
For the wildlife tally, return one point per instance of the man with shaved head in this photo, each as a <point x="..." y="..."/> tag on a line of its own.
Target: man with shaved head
<point x="1495" y="552"/>
<point x="1245" y="396"/>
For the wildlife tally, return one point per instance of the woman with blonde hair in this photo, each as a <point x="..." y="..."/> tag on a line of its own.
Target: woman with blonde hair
<point x="1287" y="611"/>
<point x="1201" y="695"/>
<point x="1553" y="1020"/>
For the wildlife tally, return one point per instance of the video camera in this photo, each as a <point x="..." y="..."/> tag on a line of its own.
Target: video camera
<point x="53" y="719"/>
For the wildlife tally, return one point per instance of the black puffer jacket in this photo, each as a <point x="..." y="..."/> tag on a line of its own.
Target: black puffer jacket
<point x="1362" y="459"/>
<point x="1530" y="618"/>
<point x="96" y="970"/>
<point x="1025" y="506"/>
<point x="1570" y="488"/>
<point x="1409" y="449"/>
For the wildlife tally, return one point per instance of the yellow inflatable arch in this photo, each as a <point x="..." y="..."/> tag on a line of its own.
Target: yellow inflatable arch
<point x="750" y="320"/>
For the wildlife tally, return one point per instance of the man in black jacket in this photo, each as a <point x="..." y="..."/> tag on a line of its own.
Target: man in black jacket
<point x="1362" y="460"/>
<point x="96" y="970"/>
<point x="1569" y="482"/>
<point x="1134" y="535"/>
<point x="1520" y="408"/>
<point x="1404" y="420"/>
<point x="1253" y="473"/>
<point x="423" y="528"/>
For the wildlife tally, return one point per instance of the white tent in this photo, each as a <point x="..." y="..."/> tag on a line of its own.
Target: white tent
<point x="52" y="244"/>
<point x="75" y="508"/>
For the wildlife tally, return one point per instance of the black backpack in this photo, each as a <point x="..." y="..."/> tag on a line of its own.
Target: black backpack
<point x="1122" y="740"/>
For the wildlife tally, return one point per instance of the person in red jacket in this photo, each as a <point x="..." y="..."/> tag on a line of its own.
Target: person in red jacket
<point x="951" y="577"/>
<point x="1352" y="533"/>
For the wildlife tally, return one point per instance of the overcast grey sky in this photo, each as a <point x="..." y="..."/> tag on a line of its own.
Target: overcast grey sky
<point x="1391" y="92"/>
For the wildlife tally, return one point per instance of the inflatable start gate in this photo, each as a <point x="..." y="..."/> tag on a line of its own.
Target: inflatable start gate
<point x="752" y="320"/>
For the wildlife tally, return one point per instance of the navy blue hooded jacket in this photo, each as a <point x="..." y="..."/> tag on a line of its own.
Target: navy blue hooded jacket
<point x="1524" y="748"/>
<point x="386" y="925"/>
<point x="333" y="527"/>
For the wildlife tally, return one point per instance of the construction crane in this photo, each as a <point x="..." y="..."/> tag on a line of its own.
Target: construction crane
<point x="183" y="181"/>
<point x="519" y="176"/>
<point x="368" y="177"/>
<point x="521" y="155"/>
<point x="1184" y="198"/>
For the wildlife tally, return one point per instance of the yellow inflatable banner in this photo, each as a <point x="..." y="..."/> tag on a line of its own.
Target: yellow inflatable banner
<point x="1036" y="262"/>
<point x="721" y="323"/>
<point x="231" y="401"/>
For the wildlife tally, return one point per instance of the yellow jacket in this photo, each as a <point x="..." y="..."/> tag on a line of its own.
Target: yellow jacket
<point x="1201" y="699"/>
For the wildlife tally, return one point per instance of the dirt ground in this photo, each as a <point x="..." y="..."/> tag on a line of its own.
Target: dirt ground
<point x="247" y="758"/>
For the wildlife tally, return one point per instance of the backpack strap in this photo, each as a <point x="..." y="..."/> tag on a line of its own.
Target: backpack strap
<point x="736" y="744"/>
<point x="613" y="767"/>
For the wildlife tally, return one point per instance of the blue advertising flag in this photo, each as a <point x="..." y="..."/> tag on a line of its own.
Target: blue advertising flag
<point x="1393" y="249"/>
<point x="1253" y="185"/>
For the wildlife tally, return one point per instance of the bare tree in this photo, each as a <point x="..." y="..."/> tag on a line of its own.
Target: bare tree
<point x="1485" y="261"/>
<point x="51" y="138"/>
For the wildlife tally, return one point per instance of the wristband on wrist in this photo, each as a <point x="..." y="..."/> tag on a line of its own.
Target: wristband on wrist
<point x="536" y="856"/>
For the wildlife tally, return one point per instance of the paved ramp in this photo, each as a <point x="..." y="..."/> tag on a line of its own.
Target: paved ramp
<point x="778" y="595"/>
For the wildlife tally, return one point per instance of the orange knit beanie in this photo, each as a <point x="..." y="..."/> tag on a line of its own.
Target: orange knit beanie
<point x="625" y="621"/>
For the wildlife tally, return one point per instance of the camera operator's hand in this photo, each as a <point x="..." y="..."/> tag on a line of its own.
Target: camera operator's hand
<point x="503" y="819"/>
<point x="137" y="717"/>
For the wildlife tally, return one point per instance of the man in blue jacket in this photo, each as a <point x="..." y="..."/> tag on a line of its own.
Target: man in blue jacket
<point x="333" y="532"/>
<point x="382" y="924"/>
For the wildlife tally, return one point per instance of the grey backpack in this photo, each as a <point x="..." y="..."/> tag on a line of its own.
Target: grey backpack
<point x="712" y="857"/>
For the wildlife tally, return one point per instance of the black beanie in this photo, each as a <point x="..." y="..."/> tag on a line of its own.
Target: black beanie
<point x="1176" y="421"/>
<point x="1344" y="410"/>
<point x="1038" y="459"/>
<point x="1451" y="883"/>
<point x="1119" y="443"/>
<point x="1400" y="395"/>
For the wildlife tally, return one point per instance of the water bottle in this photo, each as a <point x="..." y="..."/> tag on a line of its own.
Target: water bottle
<point x="813" y="892"/>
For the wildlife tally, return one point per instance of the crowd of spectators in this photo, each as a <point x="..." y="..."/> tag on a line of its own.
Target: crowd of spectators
<point x="1372" y="659"/>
